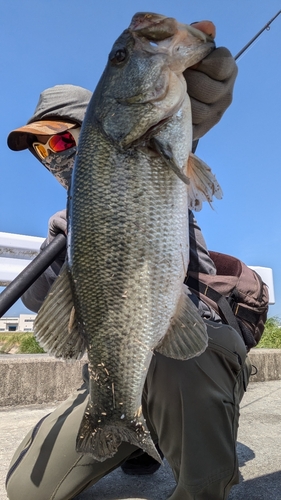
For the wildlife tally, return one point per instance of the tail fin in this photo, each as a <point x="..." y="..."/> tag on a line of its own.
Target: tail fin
<point x="101" y="439"/>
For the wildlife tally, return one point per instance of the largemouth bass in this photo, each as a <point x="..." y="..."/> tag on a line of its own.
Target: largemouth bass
<point x="120" y="295"/>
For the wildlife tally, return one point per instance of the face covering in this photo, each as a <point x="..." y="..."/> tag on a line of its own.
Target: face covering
<point x="61" y="165"/>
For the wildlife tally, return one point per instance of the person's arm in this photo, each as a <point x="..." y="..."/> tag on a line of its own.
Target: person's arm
<point x="34" y="297"/>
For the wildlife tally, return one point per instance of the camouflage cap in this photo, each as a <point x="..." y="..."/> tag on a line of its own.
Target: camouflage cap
<point x="59" y="108"/>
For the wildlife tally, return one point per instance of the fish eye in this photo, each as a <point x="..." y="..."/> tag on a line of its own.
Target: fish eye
<point x="118" y="56"/>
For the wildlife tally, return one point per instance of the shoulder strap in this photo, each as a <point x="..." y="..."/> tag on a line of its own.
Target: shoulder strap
<point x="222" y="303"/>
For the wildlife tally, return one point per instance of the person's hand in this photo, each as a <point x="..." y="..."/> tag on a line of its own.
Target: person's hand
<point x="57" y="224"/>
<point x="210" y="86"/>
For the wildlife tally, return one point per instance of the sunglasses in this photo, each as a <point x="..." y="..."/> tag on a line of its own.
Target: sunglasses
<point x="57" y="143"/>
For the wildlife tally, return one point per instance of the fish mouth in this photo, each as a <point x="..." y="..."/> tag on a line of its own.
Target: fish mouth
<point x="168" y="35"/>
<point x="159" y="27"/>
<point x="153" y="26"/>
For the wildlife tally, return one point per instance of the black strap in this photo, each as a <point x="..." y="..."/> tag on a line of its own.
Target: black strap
<point x="244" y="313"/>
<point x="225" y="309"/>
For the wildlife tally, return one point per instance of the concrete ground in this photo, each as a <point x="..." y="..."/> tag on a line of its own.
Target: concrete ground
<point x="259" y="442"/>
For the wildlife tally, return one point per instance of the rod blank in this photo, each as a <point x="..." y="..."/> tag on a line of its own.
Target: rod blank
<point x="256" y="36"/>
<point x="31" y="272"/>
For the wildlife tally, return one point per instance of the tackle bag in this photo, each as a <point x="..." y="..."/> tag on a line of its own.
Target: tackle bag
<point x="236" y="293"/>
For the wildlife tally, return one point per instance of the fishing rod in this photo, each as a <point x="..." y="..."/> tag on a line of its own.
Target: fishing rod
<point x="266" y="27"/>
<point x="31" y="272"/>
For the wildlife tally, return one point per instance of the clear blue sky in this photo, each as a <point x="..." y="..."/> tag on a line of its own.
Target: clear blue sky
<point x="44" y="43"/>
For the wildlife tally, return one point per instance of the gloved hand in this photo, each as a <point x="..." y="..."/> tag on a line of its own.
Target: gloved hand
<point x="57" y="224"/>
<point x="210" y="87"/>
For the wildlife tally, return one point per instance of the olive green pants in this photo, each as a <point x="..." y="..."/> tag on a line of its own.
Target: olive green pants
<point x="192" y="410"/>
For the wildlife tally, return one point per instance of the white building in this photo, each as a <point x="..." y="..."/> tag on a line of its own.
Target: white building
<point x="23" y="323"/>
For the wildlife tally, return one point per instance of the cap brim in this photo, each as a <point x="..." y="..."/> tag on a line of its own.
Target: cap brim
<point x="18" y="139"/>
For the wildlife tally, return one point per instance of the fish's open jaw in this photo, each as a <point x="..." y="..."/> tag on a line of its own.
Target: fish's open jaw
<point x="153" y="26"/>
<point x="185" y="44"/>
<point x="158" y="27"/>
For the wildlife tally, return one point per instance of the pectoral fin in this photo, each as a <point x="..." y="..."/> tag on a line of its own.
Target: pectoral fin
<point x="55" y="326"/>
<point x="187" y="334"/>
<point x="203" y="184"/>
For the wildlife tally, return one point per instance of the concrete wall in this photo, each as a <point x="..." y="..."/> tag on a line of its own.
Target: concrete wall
<point x="38" y="378"/>
<point x="268" y="364"/>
